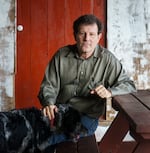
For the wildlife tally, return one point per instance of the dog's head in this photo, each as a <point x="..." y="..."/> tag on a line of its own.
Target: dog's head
<point x="68" y="120"/>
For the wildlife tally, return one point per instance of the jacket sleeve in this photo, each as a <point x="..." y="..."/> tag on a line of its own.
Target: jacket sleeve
<point x="119" y="81"/>
<point x="51" y="83"/>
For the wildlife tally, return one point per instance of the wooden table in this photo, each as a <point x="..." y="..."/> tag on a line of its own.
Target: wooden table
<point x="84" y="145"/>
<point x="133" y="116"/>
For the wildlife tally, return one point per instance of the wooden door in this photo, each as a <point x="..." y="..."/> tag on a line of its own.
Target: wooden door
<point x="47" y="25"/>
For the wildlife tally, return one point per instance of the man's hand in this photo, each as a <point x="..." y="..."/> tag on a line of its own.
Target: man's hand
<point x="101" y="91"/>
<point x="50" y="111"/>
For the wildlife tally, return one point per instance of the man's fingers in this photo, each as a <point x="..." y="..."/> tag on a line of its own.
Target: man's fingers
<point x="101" y="91"/>
<point x="49" y="111"/>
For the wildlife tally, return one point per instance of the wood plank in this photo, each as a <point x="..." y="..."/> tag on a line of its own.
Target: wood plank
<point x="22" y="78"/>
<point x="72" y="12"/>
<point x="143" y="147"/>
<point x="38" y="47"/>
<point x="88" y="145"/>
<point x="136" y="113"/>
<point x="139" y="136"/>
<point x="112" y="140"/>
<point x="143" y="96"/>
<point x="102" y="14"/>
<point x="87" y="7"/>
<point x="127" y="147"/>
<point x="56" y="25"/>
<point x="84" y="145"/>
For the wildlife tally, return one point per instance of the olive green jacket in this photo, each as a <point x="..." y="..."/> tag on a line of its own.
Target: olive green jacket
<point x="69" y="79"/>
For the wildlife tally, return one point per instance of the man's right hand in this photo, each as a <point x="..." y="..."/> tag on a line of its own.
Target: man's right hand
<point x="49" y="111"/>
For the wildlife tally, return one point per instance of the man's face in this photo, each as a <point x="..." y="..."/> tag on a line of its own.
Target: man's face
<point x="87" y="38"/>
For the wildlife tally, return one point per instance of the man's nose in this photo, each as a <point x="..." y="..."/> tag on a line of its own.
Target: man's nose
<point x="86" y="36"/>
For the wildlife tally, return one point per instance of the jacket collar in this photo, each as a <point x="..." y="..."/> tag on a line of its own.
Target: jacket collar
<point x="74" y="51"/>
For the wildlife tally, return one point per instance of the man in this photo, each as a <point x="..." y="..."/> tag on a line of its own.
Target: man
<point x="83" y="75"/>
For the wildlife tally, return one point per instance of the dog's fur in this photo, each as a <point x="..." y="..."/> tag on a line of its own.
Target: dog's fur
<point x="28" y="130"/>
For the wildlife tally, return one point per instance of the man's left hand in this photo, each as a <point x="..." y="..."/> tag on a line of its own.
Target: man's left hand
<point x="101" y="91"/>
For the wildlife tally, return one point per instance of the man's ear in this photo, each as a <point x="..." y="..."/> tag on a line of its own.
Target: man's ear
<point x="99" y="36"/>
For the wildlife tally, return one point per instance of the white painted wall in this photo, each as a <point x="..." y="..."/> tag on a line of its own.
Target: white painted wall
<point x="7" y="53"/>
<point x="129" y="37"/>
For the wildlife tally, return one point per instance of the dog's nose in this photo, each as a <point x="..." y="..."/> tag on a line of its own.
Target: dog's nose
<point x="77" y="137"/>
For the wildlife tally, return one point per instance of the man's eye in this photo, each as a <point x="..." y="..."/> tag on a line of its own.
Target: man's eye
<point x="82" y="33"/>
<point x="92" y="34"/>
<point x="87" y="34"/>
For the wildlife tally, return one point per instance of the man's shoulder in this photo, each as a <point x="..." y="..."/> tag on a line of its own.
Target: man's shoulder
<point x="67" y="50"/>
<point x="106" y="55"/>
<point x="102" y="51"/>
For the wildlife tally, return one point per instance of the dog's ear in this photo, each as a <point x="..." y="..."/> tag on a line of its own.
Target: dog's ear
<point x="59" y="115"/>
<point x="72" y="124"/>
<point x="58" y="120"/>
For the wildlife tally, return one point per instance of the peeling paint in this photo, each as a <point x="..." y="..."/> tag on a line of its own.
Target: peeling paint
<point x="6" y="89"/>
<point x="7" y="49"/>
<point x="11" y="13"/>
<point x="129" y="37"/>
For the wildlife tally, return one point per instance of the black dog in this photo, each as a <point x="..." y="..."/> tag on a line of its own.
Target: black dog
<point x="28" y="130"/>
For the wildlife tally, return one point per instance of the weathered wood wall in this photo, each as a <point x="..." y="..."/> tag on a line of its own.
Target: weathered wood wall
<point x="129" y="37"/>
<point x="7" y="53"/>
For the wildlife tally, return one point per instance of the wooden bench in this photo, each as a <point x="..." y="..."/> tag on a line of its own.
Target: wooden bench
<point x="133" y="116"/>
<point x="84" y="145"/>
